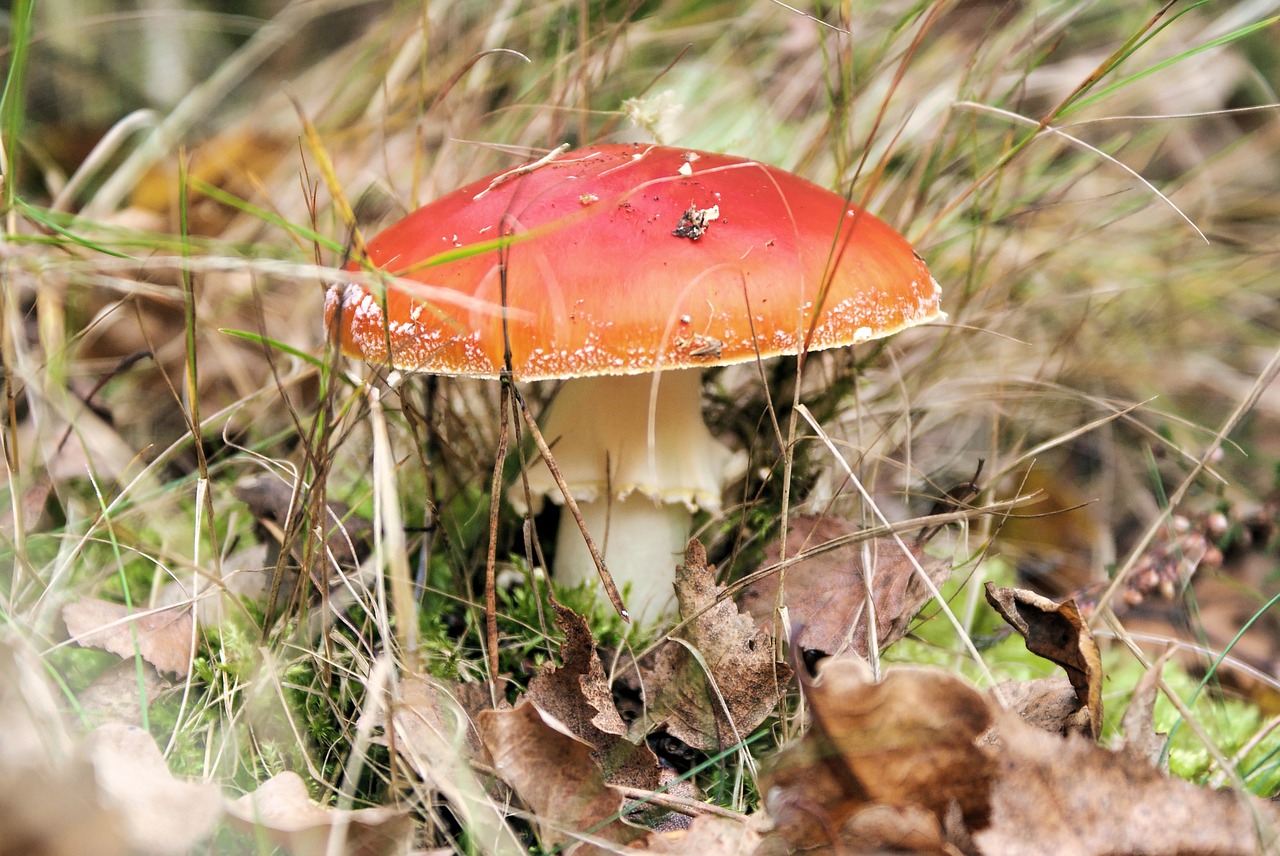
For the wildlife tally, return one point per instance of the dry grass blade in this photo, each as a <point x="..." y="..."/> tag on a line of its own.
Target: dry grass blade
<point x="921" y="573"/>
<point x="390" y="550"/>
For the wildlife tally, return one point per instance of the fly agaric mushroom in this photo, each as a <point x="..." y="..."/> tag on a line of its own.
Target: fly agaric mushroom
<point x="623" y="270"/>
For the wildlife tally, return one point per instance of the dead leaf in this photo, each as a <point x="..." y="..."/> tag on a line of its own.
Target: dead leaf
<point x="162" y="815"/>
<point x="1056" y="632"/>
<point x="273" y="503"/>
<point x="577" y="694"/>
<point x="109" y="794"/>
<point x="1069" y="797"/>
<point x="707" y="835"/>
<point x="1047" y="703"/>
<point x="825" y="594"/>
<point x="57" y="812"/>
<point x="872" y="829"/>
<point x="718" y="680"/>
<point x="425" y="705"/>
<point x="880" y="752"/>
<point x="282" y="809"/>
<point x="432" y="729"/>
<point x="808" y="793"/>
<point x="163" y="637"/>
<point x="50" y="803"/>
<point x="907" y="740"/>
<point x="896" y="829"/>
<point x="115" y="695"/>
<point x="32" y="505"/>
<point x="555" y="775"/>
<point x="1138" y="724"/>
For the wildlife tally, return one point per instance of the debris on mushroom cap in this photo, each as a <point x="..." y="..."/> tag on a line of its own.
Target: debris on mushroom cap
<point x="602" y="289"/>
<point x="693" y="222"/>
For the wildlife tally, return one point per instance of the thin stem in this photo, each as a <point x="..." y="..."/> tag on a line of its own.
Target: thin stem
<point x="572" y="504"/>
<point x="495" y="504"/>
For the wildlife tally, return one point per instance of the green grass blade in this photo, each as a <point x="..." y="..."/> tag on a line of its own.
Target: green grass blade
<point x="42" y="217"/>
<point x="14" y="97"/>
<point x="232" y="201"/>
<point x="1225" y="39"/>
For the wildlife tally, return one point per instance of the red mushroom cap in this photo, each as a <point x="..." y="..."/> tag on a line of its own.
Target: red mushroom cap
<point x="624" y="259"/>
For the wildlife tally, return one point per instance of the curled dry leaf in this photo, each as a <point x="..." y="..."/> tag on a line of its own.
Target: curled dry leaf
<point x="164" y="637"/>
<point x="1056" y="632"/>
<point x="715" y="682"/>
<point x="826" y="593"/>
<point x="1047" y="703"/>
<point x="909" y="740"/>
<point x="922" y="740"/>
<point x="282" y="809"/>
<point x="577" y="691"/>
<point x="1069" y="797"/>
<point x="577" y="694"/>
<point x="555" y="775"/>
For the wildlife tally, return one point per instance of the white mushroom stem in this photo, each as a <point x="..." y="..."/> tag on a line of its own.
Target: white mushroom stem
<point x="639" y="460"/>
<point x="641" y="541"/>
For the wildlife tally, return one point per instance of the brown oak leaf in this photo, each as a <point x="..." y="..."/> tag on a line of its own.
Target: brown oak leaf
<point x="714" y="682"/>
<point x="554" y="774"/>
<point x="825" y="592"/>
<point x="432" y="727"/>
<point x="577" y="694"/>
<point x="1069" y="797"/>
<point x="162" y="814"/>
<point x="1049" y="703"/>
<point x="907" y="740"/>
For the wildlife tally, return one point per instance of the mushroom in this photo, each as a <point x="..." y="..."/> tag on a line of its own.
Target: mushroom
<point x="623" y="270"/>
